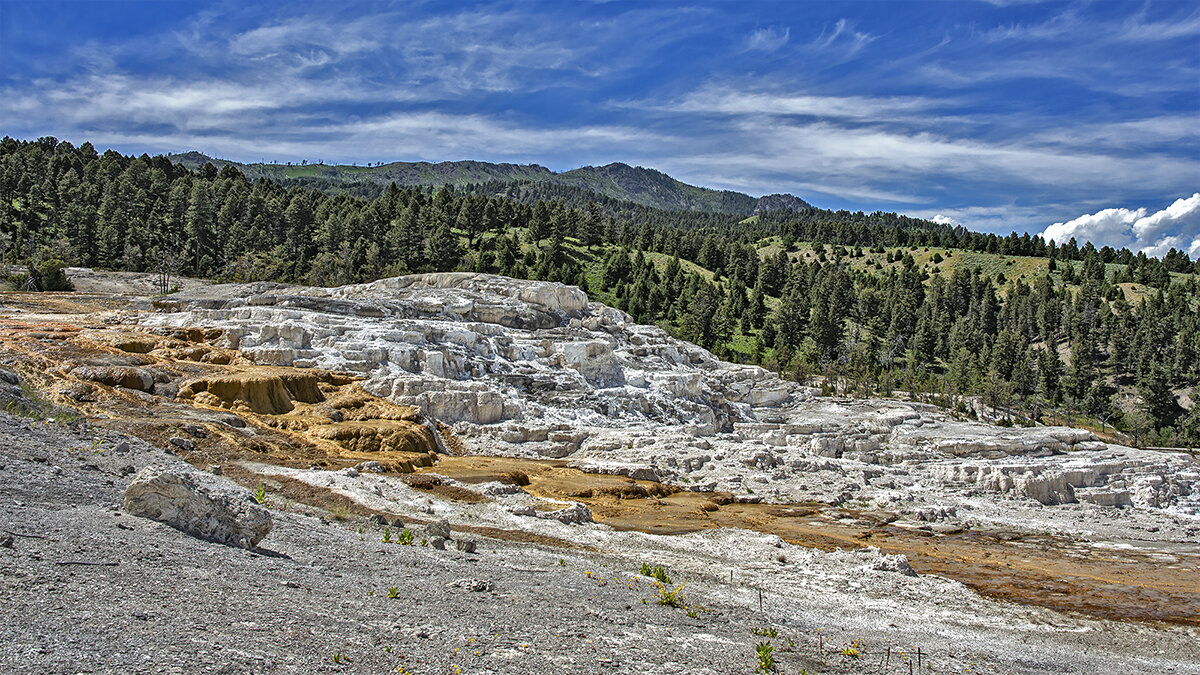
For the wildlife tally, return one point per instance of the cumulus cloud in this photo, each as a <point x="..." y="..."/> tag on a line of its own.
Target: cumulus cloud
<point x="945" y="220"/>
<point x="1177" y="226"/>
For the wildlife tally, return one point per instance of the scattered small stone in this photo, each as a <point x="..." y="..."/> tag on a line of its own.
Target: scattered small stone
<point x="397" y="523"/>
<point x="185" y="444"/>
<point x="90" y="467"/>
<point x="215" y="469"/>
<point x="141" y="616"/>
<point x="196" y="430"/>
<point x="438" y="542"/>
<point x="369" y="467"/>
<point x="376" y="519"/>
<point x="121" y="448"/>
<point x="126" y="470"/>
<point x="7" y="541"/>
<point x="440" y="528"/>
<point x="290" y="584"/>
<point x="465" y="545"/>
<point x="473" y="585"/>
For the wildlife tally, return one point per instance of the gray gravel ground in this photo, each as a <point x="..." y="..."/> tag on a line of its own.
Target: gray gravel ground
<point x="85" y="587"/>
<point x="88" y="588"/>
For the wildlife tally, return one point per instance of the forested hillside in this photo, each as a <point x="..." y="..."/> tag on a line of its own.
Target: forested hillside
<point x="859" y="303"/>
<point x="616" y="181"/>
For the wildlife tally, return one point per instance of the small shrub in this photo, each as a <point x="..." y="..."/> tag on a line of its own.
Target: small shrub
<point x="260" y="493"/>
<point x="387" y="535"/>
<point x="656" y="572"/>
<point x="49" y="276"/>
<point x="668" y="597"/>
<point x="765" y="652"/>
<point x="405" y="537"/>
<point x="393" y="592"/>
<point x="765" y="632"/>
<point x="853" y="650"/>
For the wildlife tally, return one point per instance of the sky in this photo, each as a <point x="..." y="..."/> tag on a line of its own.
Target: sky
<point x="1061" y="118"/>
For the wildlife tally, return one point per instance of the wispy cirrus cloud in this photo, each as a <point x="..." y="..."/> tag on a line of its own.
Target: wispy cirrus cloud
<point x="1008" y="115"/>
<point x="768" y="39"/>
<point x="842" y="37"/>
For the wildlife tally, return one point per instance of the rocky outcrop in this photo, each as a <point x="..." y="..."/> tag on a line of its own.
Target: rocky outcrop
<point x="199" y="504"/>
<point x="532" y="369"/>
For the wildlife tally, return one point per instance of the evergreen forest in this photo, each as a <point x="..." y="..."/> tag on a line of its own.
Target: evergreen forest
<point x="1013" y="329"/>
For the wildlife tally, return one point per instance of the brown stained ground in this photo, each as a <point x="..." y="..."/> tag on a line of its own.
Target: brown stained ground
<point x="1056" y="572"/>
<point x="56" y="331"/>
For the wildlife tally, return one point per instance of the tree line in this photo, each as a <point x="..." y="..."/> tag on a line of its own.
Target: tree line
<point x="1067" y="342"/>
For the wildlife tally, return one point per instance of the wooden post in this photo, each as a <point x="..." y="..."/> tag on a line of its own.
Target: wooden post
<point x="918" y="658"/>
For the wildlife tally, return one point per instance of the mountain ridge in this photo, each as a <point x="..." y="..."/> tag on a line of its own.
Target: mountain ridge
<point x="640" y="185"/>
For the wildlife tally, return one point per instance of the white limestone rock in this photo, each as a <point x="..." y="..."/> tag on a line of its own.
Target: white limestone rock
<point x="532" y="369"/>
<point x="198" y="503"/>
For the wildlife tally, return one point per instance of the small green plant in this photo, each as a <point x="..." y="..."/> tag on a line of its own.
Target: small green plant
<point x="765" y="652"/>
<point x="668" y="597"/>
<point x="656" y="572"/>
<point x="387" y="535"/>
<point x="405" y="537"/>
<point x="562" y="563"/>
<point x="393" y="592"/>
<point x="340" y="658"/>
<point x="853" y="650"/>
<point x="260" y="493"/>
<point x="765" y="632"/>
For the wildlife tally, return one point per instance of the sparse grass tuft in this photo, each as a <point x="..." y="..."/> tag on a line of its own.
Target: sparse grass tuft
<point x="260" y="493"/>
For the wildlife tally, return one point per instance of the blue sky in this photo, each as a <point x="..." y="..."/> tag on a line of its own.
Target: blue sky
<point x="1073" y="118"/>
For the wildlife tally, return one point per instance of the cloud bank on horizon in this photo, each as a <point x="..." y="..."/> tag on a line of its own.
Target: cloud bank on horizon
<point x="996" y="116"/>
<point x="1175" y="227"/>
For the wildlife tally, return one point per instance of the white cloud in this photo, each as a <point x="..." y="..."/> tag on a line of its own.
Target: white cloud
<point x="768" y="39"/>
<point x="742" y="100"/>
<point x="1177" y="226"/>
<point x="1184" y="212"/>
<point x="843" y="37"/>
<point x="945" y="220"/>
